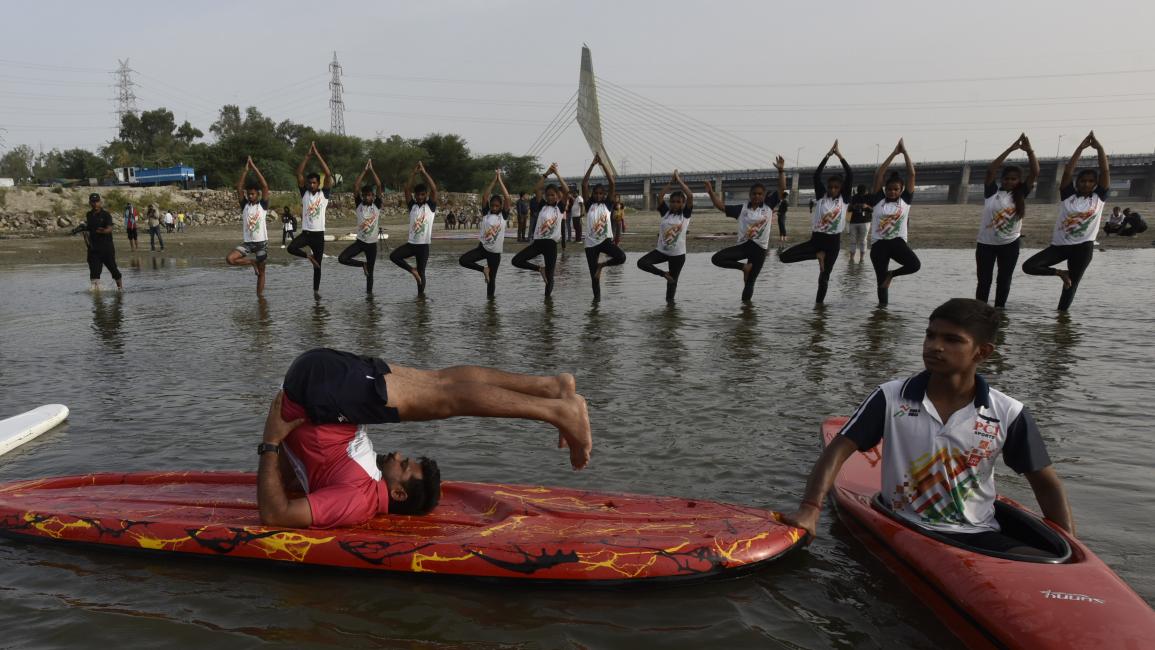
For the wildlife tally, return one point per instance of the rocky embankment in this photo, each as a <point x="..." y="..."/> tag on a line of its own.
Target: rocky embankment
<point x="40" y="211"/>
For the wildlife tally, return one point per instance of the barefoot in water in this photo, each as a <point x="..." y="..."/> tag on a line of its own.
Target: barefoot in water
<point x="669" y="278"/>
<point x="747" y="268"/>
<point x="598" y="272"/>
<point x="1065" y="276"/>
<point x="886" y="282"/>
<point x="541" y="271"/>
<point x="821" y="257"/>
<point x="566" y="385"/>
<point x="574" y="427"/>
<point x="314" y="262"/>
<point x="366" y="270"/>
<point x="485" y="272"/>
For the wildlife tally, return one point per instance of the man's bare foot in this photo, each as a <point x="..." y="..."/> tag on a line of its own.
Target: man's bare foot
<point x="821" y="257"/>
<point x="669" y="278"/>
<point x="598" y="272"/>
<point x="1065" y="276"/>
<point x="886" y="280"/>
<point x="313" y="261"/>
<point x="574" y="427"/>
<point x="485" y="272"/>
<point x="541" y="271"/>
<point x="366" y="270"/>
<point x="747" y="268"/>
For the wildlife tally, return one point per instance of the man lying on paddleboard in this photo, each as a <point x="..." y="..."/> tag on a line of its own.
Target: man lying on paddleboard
<point x="315" y="432"/>
<point x="943" y="429"/>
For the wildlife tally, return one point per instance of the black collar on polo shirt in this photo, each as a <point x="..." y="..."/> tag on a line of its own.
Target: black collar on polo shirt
<point x="915" y="389"/>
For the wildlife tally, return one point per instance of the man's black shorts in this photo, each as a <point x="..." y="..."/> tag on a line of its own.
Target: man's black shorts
<point x="335" y="386"/>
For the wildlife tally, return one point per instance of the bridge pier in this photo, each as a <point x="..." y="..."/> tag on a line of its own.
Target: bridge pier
<point x="647" y="195"/>
<point x="794" y="187"/>
<point x="959" y="191"/>
<point x="1047" y="187"/>
<point x="1144" y="188"/>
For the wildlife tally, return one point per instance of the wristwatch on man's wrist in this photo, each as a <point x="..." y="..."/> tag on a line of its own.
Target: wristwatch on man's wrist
<point x="268" y="446"/>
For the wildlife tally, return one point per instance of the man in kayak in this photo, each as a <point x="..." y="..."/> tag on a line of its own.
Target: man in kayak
<point x="314" y="431"/>
<point x="943" y="430"/>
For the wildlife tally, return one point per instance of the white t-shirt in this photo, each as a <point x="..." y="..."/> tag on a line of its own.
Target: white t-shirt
<point x="253" y="221"/>
<point x="313" y="208"/>
<point x="491" y="233"/>
<point x="672" y="231"/>
<point x="1116" y="219"/>
<point x="578" y="206"/>
<point x="368" y="221"/>
<point x="829" y="216"/>
<point x="940" y="475"/>
<point x="549" y="223"/>
<point x="598" y="228"/>
<point x="754" y="223"/>
<point x="1001" y="223"/>
<point x="1079" y="216"/>
<point x="890" y="217"/>
<point x="421" y="218"/>
<point x="168" y="217"/>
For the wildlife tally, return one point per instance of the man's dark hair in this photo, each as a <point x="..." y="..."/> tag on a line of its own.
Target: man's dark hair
<point x="677" y="193"/>
<point x="979" y="319"/>
<point x="367" y="189"/>
<point x="252" y="185"/>
<point x="757" y="186"/>
<point x="313" y="176"/>
<point x="423" y="494"/>
<point x="861" y="189"/>
<point x="419" y="188"/>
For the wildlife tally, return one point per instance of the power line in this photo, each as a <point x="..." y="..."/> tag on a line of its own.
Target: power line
<point x="570" y="104"/>
<point x="125" y="97"/>
<point x="336" y="103"/>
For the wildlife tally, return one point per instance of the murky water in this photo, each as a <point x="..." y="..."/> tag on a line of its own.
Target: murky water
<point x="706" y="399"/>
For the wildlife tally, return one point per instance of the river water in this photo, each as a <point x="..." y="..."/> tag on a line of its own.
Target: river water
<point x="707" y="399"/>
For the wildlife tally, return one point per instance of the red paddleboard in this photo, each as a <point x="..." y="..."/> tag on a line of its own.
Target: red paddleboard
<point x="992" y="602"/>
<point x="513" y="532"/>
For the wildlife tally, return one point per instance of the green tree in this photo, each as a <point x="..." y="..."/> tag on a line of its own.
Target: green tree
<point x="520" y="172"/>
<point x="17" y="163"/>
<point x="83" y="164"/>
<point x="394" y="159"/>
<point x="448" y="161"/>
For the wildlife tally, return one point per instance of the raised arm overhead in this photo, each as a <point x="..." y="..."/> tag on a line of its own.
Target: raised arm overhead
<point x="714" y="198"/>
<point x="586" y="180"/>
<point x="1069" y="170"/>
<point x="428" y="181"/>
<point x="304" y="162"/>
<point x="379" y="188"/>
<point x="328" y="182"/>
<point x="997" y="163"/>
<point x="265" y="194"/>
<point x="880" y="173"/>
<point x="357" y="184"/>
<point x="1104" y="166"/>
<point x="780" y="165"/>
<point x="241" y="180"/>
<point x="685" y="189"/>
<point x="488" y="192"/>
<point x="909" y="166"/>
<point x="504" y="191"/>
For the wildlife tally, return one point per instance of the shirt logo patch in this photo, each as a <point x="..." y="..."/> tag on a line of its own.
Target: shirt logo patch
<point x="907" y="410"/>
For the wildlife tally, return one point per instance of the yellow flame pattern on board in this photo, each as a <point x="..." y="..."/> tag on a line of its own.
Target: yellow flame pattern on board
<point x="157" y="543"/>
<point x="53" y="526"/>
<point x="419" y="559"/>
<point x="295" y="546"/>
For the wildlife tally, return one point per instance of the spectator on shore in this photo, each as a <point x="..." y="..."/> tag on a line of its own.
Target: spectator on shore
<point x="130" y="227"/>
<point x="1133" y="224"/>
<point x="1115" y="221"/>
<point x="289" y="227"/>
<point x="619" y="220"/>
<point x="169" y="220"/>
<point x="153" y="217"/>
<point x="522" y="215"/>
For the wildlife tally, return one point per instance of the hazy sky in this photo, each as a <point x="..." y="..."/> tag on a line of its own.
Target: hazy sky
<point x="698" y="85"/>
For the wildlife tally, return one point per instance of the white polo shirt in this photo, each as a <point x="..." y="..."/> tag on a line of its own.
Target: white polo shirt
<point x="940" y="475"/>
<point x="829" y="216"/>
<point x="672" y="230"/>
<point x="549" y="223"/>
<point x="368" y="220"/>
<point x="598" y="224"/>
<point x="1001" y="224"/>
<point x="313" y="207"/>
<point x="253" y="226"/>
<point x="491" y="233"/>
<point x="754" y="221"/>
<point x="421" y="218"/>
<point x="889" y="218"/>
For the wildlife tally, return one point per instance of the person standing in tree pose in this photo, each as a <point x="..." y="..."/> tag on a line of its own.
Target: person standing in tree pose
<point x="889" y="223"/>
<point x="599" y="235"/>
<point x="422" y="201"/>
<point x="314" y="203"/>
<point x="755" y="218"/>
<point x="254" y="199"/>
<point x="548" y="230"/>
<point x="368" y="227"/>
<point x="826" y="223"/>
<point x="491" y="235"/>
<point x="672" y="232"/>
<point x="1080" y="211"/>
<point x="1004" y="206"/>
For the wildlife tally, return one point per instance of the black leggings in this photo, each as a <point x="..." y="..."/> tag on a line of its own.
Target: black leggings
<point x="315" y="240"/>
<point x="1078" y="258"/>
<point x="421" y="254"/>
<point x="781" y="223"/>
<point x="370" y="250"/>
<point x="153" y="237"/>
<point x="808" y="250"/>
<point x="731" y="258"/>
<point x="1007" y="257"/>
<point x="676" y="262"/>
<point x="286" y="236"/>
<point x="102" y="257"/>
<point x="884" y="250"/>
<point x="493" y="260"/>
<point x="593" y="255"/>
<point x="547" y="248"/>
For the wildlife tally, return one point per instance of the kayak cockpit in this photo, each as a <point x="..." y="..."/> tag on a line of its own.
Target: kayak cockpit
<point x="1048" y="547"/>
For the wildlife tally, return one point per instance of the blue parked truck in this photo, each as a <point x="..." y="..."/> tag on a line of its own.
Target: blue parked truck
<point x="182" y="175"/>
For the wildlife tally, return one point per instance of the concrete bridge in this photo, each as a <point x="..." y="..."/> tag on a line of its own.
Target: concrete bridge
<point x="1132" y="175"/>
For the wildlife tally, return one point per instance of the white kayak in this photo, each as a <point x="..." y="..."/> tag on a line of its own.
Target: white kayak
<point x="19" y="429"/>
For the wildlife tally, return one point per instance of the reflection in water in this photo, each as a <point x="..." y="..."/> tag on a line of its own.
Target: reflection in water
<point x="882" y="333"/>
<point x="1056" y="361"/>
<point x="368" y="319"/>
<point x="416" y="324"/>
<point x="818" y="352"/>
<point x="491" y="324"/>
<point x="254" y="325"/>
<point x="317" y="327"/>
<point x="667" y="342"/>
<point x="107" y="318"/>
<point x="1000" y="362"/>
<point x="745" y="342"/>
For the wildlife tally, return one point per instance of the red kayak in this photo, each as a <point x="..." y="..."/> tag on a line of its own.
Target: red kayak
<point x="1070" y="599"/>
<point x="511" y="532"/>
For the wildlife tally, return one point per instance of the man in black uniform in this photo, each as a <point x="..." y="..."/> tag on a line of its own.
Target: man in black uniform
<point x="98" y="238"/>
